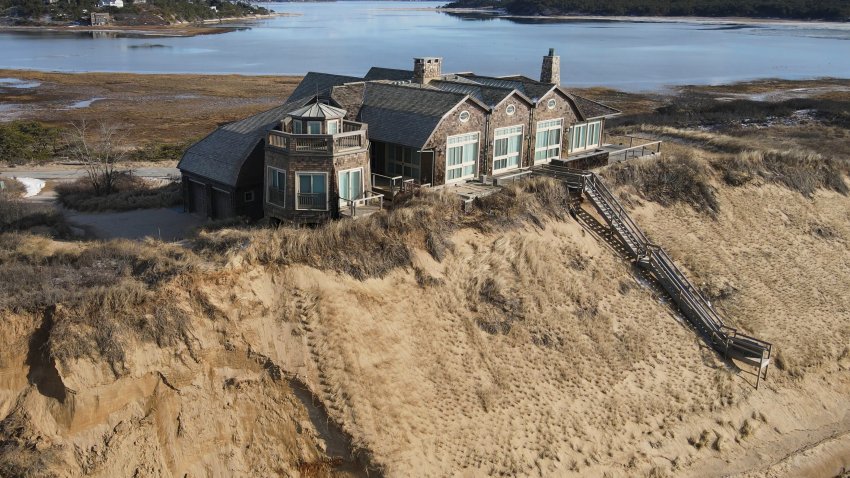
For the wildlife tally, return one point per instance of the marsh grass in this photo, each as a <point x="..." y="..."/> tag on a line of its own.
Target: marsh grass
<point x="692" y="109"/>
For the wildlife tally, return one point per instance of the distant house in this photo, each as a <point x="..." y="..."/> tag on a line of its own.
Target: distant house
<point x="338" y="139"/>
<point x="98" y="19"/>
<point x="111" y="3"/>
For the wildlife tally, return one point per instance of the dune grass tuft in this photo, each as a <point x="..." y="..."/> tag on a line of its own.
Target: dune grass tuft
<point x="804" y="172"/>
<point x="375" y="245"/>
<point x="678" y="177"/>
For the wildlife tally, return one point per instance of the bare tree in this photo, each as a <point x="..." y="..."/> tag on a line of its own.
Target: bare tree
<point x="99" y="153"/>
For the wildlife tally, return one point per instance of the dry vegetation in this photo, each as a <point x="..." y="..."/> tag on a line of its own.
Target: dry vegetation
<point x="160" y="112"/>
<point x="380" y="243"/>
<point x="507" y="341"/>
<point x="19" y="215"/>
<point x="129" y="192"/>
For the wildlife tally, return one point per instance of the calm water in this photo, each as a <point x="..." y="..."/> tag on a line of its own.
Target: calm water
<point x="348" y="37"/>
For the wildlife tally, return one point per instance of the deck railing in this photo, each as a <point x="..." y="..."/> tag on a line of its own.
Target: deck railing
<point x="276" y="196"/>
<point x="635" y="151"/>
<point x="313" y="201"/>
<point x="352" y="138"/>
<point x="370" y="200"/>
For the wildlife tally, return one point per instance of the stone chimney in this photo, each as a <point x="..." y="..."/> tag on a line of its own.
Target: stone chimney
<point x="427" y="69"/>
<point x="551" y="71"/>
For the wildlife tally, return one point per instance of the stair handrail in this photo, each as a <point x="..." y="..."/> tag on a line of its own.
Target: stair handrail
<point x="695" y="307"/>
<point x="638" y="237"/>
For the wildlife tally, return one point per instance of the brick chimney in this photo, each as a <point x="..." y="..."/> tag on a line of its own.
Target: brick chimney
<point x="427" y="69"/>
<point x="551" y="70"/>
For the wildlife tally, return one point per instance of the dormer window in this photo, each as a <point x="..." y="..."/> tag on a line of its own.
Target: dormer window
<point x="314" y="127"/>
<point x="333" y="126"/>
<point x="296" y="127"/>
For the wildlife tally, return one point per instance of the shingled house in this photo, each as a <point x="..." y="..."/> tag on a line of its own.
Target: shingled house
<point x="422" y="125"/>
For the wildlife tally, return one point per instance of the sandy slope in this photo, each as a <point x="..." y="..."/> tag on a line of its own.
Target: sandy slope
<point x="533" y="352"/>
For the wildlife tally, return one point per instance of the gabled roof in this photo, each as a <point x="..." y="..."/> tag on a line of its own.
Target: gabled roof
<point x="319" y="84"/>
<point x="530" y="88"/>
<point x="318" y="110"/>
<point x="392" y="74"/>
<point x="592" y="110"/>
<point x="489" y="95"/>
<point x="406" y="114"/>
<point x="221" y="155"/>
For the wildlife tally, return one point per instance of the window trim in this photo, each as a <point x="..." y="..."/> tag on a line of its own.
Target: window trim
<point x="477" y="143"/>
<point x="584" y="126"/>
<point x="309" y="123"/>
<point x="298" y="189"/>
<point x="497" y="136"/>
<point x="464" y="116"/>
<point x="551" y="103"/>
<point x="393" y="160"/>
<point x="334" y="122"/>
<point x="549" y="147"/>
<point x="268" y="185"/>
<point x="362" y="183"/>
<point x="510" y="110"/>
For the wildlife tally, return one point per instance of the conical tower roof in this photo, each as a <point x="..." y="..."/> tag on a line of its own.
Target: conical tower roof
<point x="318" y="110"/>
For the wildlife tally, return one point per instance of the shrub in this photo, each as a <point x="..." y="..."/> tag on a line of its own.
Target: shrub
<point x="668" y="180"/>
<point x="12" y="188"/>
<point x="130" y="192"/>
<point x="19" y="215"/>
<point x="803" y="172"/>
<point x="159" y="152"/>
<point x="23" y="142"/>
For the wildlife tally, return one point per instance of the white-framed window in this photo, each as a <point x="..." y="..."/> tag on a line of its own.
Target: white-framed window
<point x="314" y="127"/>
<point x="297" y="126"/>
<point x="548" y="140"/>
<point x="350" y="185"/>
<point x="248" y="196"/>
<point x="461" y="156"/>
<point x="507" y="145"/>
<point x="510" y="110"/>
<point x="464" y="116"/>
<point x="402" y="161"/>
<point x="551" y="104"/>
<point x="585" y="136"/>
<point x="276" y="191"/>
<point x="333" y="126"/>
<point x="311" y="191"/>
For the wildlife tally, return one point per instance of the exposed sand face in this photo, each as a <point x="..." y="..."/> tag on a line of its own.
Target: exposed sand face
<point x="529" y="353"/>
<point x="594" y="375"/>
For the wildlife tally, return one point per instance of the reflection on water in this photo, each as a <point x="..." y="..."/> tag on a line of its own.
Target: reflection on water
<point x="349" y="37"/>
<point x="18" y="83"/>
<point x="84" y="103"/>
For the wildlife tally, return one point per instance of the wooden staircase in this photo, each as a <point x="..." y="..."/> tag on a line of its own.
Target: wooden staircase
<point x="694" y="307"/>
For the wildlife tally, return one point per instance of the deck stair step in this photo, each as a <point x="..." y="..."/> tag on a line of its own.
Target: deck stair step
<point x="694" y="307"/>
